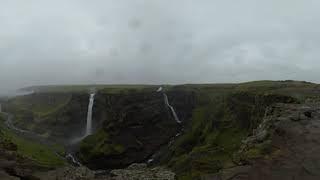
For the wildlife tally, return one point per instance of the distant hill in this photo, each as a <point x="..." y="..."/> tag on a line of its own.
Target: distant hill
<point x="81" y="88"/>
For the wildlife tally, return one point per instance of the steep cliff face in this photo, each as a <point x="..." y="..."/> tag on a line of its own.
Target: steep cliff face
<point x="285" y="145"/>
<point x="68" y="122"/>
<point x="134" y="126"/>
<point x="58" y="116"/>
<point x="218" y="126"/>
<point x="62" y="116"/>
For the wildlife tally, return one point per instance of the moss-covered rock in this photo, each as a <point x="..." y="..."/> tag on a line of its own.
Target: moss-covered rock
<point x="98" y="145"/>
<point x="219" y="124"/>
<point x="141" y="171"/>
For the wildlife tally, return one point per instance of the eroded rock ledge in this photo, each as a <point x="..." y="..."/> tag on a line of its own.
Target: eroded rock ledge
<point x="133" y="172"/>
<point x="286" y="145"/>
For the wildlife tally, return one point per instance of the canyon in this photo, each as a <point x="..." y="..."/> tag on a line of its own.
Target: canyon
<point x="209" y="131"/>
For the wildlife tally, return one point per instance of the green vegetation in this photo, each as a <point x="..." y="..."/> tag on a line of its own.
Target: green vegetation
<point x="40" y="105"/>
<point x="210" y="143"/>
<point x="298" y="89"/>
<point x="33" y="112"/>
<point x="42" y="155"/>
<point x="225" y="114"/>
<point x="259" y="150"/>
<point x="97" y="145"/>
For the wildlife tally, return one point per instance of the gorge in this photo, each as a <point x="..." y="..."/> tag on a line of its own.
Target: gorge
<point x="200" y="133"/>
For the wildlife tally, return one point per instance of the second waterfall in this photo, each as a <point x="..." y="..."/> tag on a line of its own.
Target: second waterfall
<point x="176" y="118"/>
<point x="89" y="115"/>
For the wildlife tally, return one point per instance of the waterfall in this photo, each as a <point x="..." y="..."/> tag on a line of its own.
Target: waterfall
<point x="73" y="160"/>
<point x="171" y="108"/>
<point x="89" y="115"/>
<point x="155" y="156"/>
<point x="89" y="121"/>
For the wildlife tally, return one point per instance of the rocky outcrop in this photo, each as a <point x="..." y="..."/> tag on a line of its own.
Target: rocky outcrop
<point x="67" y="173"/>
<point x="13" y="166"/>
<point x="133" y="172"/>
<point x="284" y="146"/>
<point x="141" y="171"/>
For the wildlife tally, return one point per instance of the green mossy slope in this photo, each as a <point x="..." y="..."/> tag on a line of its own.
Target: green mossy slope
<point x="97" y="145"/>
<point x="42" y="155"/>
<point x="225" y="115"/>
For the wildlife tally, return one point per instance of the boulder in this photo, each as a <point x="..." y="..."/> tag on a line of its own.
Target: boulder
<point x="67" y="173"/>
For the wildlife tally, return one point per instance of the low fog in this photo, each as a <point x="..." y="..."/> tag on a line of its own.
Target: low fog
<point x="157" y="41"/>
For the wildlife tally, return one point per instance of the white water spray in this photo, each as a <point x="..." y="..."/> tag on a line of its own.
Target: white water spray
<point x="155" y="156"/>
<point x="171" y="108"/>
<point x="168" y="104"/>
<point x="73" y="160"/>
<point x="89" y="115"/>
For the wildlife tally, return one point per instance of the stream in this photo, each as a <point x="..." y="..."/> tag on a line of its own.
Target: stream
<point x="176" y="118"/>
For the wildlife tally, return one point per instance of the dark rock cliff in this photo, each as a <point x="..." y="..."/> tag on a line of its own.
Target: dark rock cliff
<point x="133" y="127"/>
<point x="70" y="121"/>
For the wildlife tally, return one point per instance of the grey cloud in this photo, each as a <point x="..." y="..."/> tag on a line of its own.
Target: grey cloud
<point x="159" y="41"/>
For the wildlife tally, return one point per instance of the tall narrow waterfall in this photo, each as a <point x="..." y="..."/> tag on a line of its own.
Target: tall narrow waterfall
<point x="89" y="115"/>
<point x="171" y="108"/>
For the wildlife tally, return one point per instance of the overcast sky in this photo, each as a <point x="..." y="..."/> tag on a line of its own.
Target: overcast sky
<point x="157" y="41"/>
